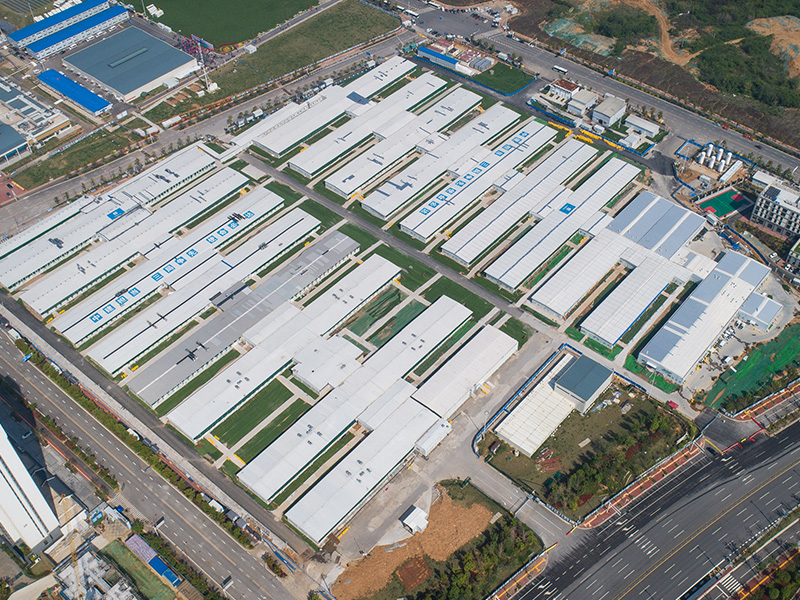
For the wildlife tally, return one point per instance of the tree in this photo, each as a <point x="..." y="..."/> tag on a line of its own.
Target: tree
<point x="137" y="526"/>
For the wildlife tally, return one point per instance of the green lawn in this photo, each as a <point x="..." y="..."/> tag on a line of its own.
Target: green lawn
<point x="313" y="468"/>
<point x="327" y="217"/>
<point x="334" y="30"/>
<point x="271" y="432"/>
<point x="241" y="20"/>
<point x="205" y="447"/>
<point x="414" y="272"/>
<point x="768" y="368"/>
<point x="262" y="404"/>
<point x="195" y="383"/>
<point x="655" y="378"/>
<point x="375" y="310"/>
<point x="146" y="581"/>
<point x="284" y="191"/>
<point x="445" y="287"/>
<point x="80" y="155"/>
<point x="504" y="78"/>
<point x="230" y="468"/>
<point x="517" y="330"/>
<point x="403" y="317"/>
<point x="644" y="318"/>
<point x="364" y="239"/>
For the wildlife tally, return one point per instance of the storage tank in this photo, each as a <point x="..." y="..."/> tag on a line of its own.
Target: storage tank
<point x="711" y="162"/>
<point x="702" y="158"/>
<point x="720" y="152"/>
<point x="721" y="167"/>
<point x="728" y="157"/>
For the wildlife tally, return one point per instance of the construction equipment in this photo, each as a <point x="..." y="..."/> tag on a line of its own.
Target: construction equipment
<point x="80" y="589"/>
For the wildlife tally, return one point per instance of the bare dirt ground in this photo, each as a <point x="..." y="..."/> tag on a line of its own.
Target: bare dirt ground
<point x="786" y="42"/>
<point x="450" y="526"/>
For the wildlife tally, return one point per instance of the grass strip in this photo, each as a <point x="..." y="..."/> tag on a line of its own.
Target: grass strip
<point x="195" y="384"/>
<point x="270" y="433"/>
<point x="260" y="405"/>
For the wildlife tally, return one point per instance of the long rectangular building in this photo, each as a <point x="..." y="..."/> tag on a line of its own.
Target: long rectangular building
<point x="440" y="155"/>
<point x="62" y="19"/>
<point x="490" y="225"/>
<point x="475" y="178"/>
<point x="453" y="383"/>
<point x="172" y="261"/>
<point x="123" y="345"/>
<point x="332" y="500"/>
<point x="383" y="119"/>
<point x="24" y="513"/>
<point x="77" y="32"/>
<point x="242" y="308"/>
<point x="365" y="167"/>
<point x="566" y="214"/>
<point x="329" y="419"/>
<point x="335" y="102"/>
<point x="142" y="238"/>
<point x="685" y="339"/>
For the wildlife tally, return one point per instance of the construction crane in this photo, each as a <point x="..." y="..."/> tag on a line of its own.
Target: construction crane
<point x="80" y="590"/>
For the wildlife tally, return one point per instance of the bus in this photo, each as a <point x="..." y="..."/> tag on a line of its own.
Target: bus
<point x="560" y="70"/>
<point x="411" y="13"/>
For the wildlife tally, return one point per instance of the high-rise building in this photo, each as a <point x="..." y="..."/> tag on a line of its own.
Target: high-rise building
<point x="25" y="515"/>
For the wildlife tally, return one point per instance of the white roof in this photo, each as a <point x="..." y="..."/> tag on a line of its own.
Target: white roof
<point x="61" y="241"/>
<point x="566" y="214"/>
<point x="485" y="229"/>
<point x="694" y="327"/>
<point x="539" y="413"/>
<point x="136" y="336"/>
<point x="43" y="225"/>
<point x="166" y="176"/>
<point x="335" y="101"/>
<point x="82" y="271"/>
<point x="24" y="513"/>
<point x="610" y="106"/>
<point x="326" y="362"/>
<point x="329" y="418"/>
<point x="168" y="262"/>
<point x="229" y="388"/>
<point x="476" y="176"/>
<point x="366" y="166"/>
<point x="401" y="188"/>
<point x="350" y="293"/>
<point x="380" y="410"/>
<point x="433" y="437"/>
<point x="642" y="124"/>
<point x="476" y="361"/>
<point x="338" y="494"/>
<point x="388" y="113"/>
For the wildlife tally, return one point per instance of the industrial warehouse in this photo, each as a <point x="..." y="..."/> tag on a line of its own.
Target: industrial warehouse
<point x="316" y="360"/>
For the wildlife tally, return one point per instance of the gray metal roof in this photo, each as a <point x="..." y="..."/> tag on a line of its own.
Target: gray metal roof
<point x="9" y="139"/>
<point x="128" y="60"/>
<point x="584" y="378"/>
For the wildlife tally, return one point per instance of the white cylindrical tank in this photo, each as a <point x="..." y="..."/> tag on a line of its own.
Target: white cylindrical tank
<point x="720" y="152"/>
<point x="728" y="157"/>
<point x="711" y="162"/>
<point x="702" y="157"/>
<point x="721" y="167"/>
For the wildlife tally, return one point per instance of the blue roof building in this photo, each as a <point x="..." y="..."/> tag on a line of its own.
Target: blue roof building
<point x="65" y="18"/>
<point x="83" y="29"/>
<point x="74" y="91"/>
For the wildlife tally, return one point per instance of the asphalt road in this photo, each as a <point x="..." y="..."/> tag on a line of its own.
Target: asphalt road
<point x="208" y="546"/>
<point x="682" y="529"/>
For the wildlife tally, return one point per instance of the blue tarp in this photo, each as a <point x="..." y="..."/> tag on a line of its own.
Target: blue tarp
<point x="48" y="22"/>
<point x="160" y="567"/>
<point x="76" y="29"/>
<point x="74" y="91"/>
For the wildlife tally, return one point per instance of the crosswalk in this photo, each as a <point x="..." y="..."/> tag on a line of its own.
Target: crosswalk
<point x="729" y="584"/>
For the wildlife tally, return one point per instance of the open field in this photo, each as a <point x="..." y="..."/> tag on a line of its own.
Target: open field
<point x="769" y="368"/>
<point x="414" y="272"/>
<point x="337" y="29"/>
<point x="146" y="581"/>
<point x="504" y="78"/>
<point x="594" y="455"/>
<point x="271" y="432"/>
<point x="241" y="20"/>
<point x="262" y="404"/>
<point x="80" y="155"/>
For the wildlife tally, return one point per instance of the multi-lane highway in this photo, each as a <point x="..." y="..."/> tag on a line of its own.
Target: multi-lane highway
<point x="210" y="548"/>
<point x="694" y="522"/>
